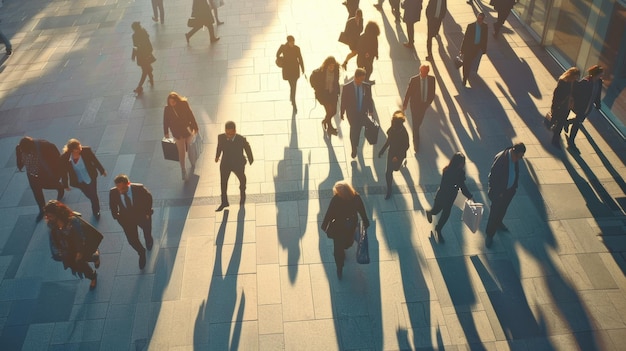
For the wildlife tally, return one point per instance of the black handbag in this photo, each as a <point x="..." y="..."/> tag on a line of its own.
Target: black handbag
<point x="362" y="249"/>
<point x="343" y="38"/>
<point x="93" y="237"/>
<point x="280" y="61"/>
<point x="192" y="22"/>
<point x="371" y="130"/>
<point x="170" y="152"/>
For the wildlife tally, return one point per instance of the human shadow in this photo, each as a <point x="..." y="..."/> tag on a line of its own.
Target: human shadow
<point x="218" y="315"/>
<point x="289" y="215"/>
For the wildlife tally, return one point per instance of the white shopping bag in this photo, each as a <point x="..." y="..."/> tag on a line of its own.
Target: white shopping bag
<point x="472" y="214"/>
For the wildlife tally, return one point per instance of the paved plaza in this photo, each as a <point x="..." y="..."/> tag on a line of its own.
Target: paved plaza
<point x="262" y="276"/>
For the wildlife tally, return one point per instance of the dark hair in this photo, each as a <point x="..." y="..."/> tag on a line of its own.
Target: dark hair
<point x="358" y="12"/>
<point x="456" y="161"/>
<point x="122" y="178"/>
<point x="290" y="38"/>
<point x="372" y="28"/>
<point x="360" y="72"/>
<point x="330" y="60"/>
<point x="519" y="148"/>
<point x="27" y="145"/>
<point x="59" y="210"/>
<point x="230" y="125"/>
<point x="135" y="26"/>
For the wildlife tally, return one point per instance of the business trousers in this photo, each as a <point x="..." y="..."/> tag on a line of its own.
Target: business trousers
<point x="157" y="6"/>
<point x="445" y="207"/>
<point x="91" y="191"/>
<point x="182" y="145"/>
<point x="37" y="185"/>
<point x="355" y="132"/>
<point x="471" y="61"/>
<point x="292" y="90"/>
<point x="434" y="24"/>
<point x="499" y="205"/>
<point x="391" y="167"/>
<point x="132" y="233"/>
<point x="417" y="117"/>
<point x="225" y="174"/>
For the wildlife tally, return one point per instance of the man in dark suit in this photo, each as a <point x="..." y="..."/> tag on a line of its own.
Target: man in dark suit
<point x="586" y="95"/>
<point x="474" y="45"/>
<point x="357" y="103"/>
<point x="232" y="145"/>
<point x="43" y="168"/>
<point x="504" y="8"/>
<point x="421" y="93"/>
<point x="82" y="166"/>
<point x="503" y="180"/>
<point x="435" y="12"/>
<point x="131" y="206"/>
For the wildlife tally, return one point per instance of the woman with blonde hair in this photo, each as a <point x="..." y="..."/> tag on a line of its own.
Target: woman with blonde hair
<point x="562" y="102"/>
<point x="82" y="166"/>
<point x="178" y="117"/>
<point x="341" y="220"/>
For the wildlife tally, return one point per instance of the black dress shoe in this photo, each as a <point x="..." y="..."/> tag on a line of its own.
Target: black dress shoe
<point x="429" y="216"/>
<point x="388" y="196"/>
<point x="219" y="23"/>
<point x="429" y="58"/>
<point x="187" y="38"/>
<point x="222" y="206"/>
<point x="213" y="40"/>
<point x="353" y="155"/>
<point x="142" y="260"/>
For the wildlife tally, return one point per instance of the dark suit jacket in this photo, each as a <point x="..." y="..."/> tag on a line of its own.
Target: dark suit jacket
<point x="349" y="103"/>
<point x="177" y="119"/>
<point x="468" y="47"/>
<point x="233" y="157"/>
<point x="499" y="175"/>
<point x="142" y="204"/>
<point x="51" y="169"/>
<point x="583" y="100"/>
<point x="414" y="93"/>
<point x="431" y="8"/>
<point x="502" y="5"/>
<point x="397" y="141"/>
<point x="292" y="62"/>
<point x="340" y="209"/>
<point x="318" y="81"/>
<point x="353" y="32"/>
<point x="201" y="10"/>
<point x="91" y="163"/>
<point x="452" y="180"/>
<point x="412" y="11"/>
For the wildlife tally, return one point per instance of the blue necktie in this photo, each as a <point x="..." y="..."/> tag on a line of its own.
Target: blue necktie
<point x="359" y="97"/>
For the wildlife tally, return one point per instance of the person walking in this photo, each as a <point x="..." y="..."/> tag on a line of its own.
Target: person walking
<point x="131" y="206"/>
<point x="179" y="119"/>
<point x="158" y="11"/>
<point x="325" y="82"/>
<point x="436" y="10"/>
<point x="503" y="180"/>
<point x="352" y="32"/>
<point x="586" y="95"/>
<point x="412" y="15"/>
<point x="367" y="49"/>
<point x="292" y="64"/>
<point x="142" y="52"/>
<point x="562" y="103"/>
<point x="352" y="6"/>
<point x="474" y="45"/>
<point x="215" y="4"/>
<point x="340" y="221"/>
<point x="203" y="17"/>
<point x="503" y="7"/>
<point x="452" y="180"/>
<point x="420" y="94"/>
<point x="7" y="44"/>
<point x="395" y="8"/>
<point x="68" y="241"/>
<point x="82" y="166"/>
<point x="231" y="146"/>
<point x="41" y="159"/>
<point x="357" y="103"/>
<point x="398" y="143"/>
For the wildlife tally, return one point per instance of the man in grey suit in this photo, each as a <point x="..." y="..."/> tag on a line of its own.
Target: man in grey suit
<point x="357" y="103"/>
<point x="420" y="93"/>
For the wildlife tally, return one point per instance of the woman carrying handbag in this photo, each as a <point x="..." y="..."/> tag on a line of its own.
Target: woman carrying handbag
<point x="340" y="221"/>
<point x="178" y="118"/>
<point x="562" y="103"/>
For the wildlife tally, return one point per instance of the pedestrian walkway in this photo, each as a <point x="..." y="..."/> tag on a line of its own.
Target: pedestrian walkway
<point x="263" y="276"/>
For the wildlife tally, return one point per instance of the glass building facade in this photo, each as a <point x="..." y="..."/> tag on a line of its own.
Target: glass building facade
<point x="583" y="33"/>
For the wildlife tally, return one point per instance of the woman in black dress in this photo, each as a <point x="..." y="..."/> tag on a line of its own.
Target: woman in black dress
<point x="352" y="32"/>
<point x="178" y="117"/>
<point x="368" y="49"/>
<point x="292" y="63"/>
<point x="203" y="17"/>
<point x="562" y="103"/>
<point x="142" y="51"/>
<point x="452" y="179"/>
<point x="68" y="241"/>
<point x="398" y="143"/>
<point x="341" y="220"/>
<point x="325" y="81"/>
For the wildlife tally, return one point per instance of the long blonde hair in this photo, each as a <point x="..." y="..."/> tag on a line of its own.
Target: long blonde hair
<point x="344" y="190"/>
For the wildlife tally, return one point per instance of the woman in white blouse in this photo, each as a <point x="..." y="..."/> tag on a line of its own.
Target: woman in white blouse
<point x="82" y="166"/>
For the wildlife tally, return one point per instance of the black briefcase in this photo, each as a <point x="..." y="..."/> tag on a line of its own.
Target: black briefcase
<point x="371" y="130"/>
<point x="170" y="152"/>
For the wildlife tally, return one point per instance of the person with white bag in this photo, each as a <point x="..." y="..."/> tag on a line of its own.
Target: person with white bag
<point x="452" y="180"/>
